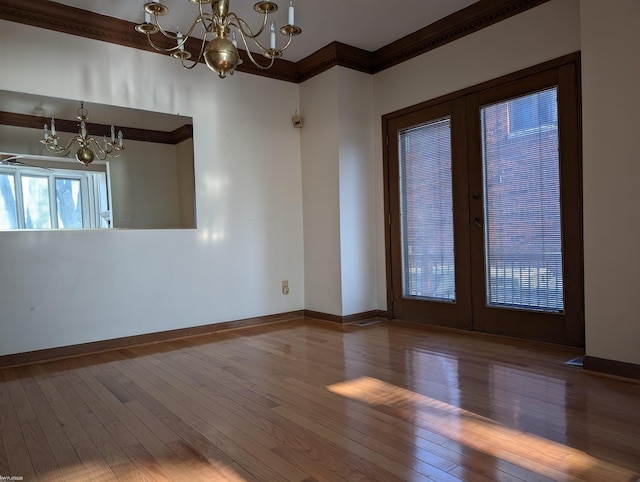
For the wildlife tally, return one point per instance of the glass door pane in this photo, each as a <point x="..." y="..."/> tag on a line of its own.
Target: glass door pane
<point x="37" y="208"/>
<point x="522" y="209"/>
<point x="426" y="211"/>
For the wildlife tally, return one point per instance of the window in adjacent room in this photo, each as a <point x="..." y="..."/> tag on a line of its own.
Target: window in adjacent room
<point x="38" y="198"/>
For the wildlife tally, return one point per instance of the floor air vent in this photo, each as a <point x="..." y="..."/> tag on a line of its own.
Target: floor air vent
<point x="367" y="322"/>
<point x="576" y="362"/>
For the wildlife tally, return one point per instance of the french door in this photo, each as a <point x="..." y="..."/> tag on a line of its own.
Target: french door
<point x="483" y="198"/>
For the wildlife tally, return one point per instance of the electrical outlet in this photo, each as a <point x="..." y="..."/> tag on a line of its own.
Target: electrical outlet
<point x="285" y="287"/>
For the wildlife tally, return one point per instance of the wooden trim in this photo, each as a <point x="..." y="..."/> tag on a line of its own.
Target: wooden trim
<point x="76" y="21"/>
<point x="335" y="53"/>
<point x="182" y="134"/>
<point x="50" y="354"/>
<point x="281" y="70"/>
<point x="69" y="351"/>
<point x="98" y="130"/>
<point x="322" y="316"/>
<point x="72" y="21"/>
<point x="364" y="316"/>
<point x="477" y="16"/>
<point x="611" y="367"/>
<point x="348" y="319"/>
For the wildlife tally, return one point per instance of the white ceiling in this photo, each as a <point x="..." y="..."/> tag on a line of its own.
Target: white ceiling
<point x="367" y="24"/>
<point x="43" y="106"/>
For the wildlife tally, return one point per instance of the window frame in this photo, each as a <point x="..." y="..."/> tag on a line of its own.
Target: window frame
<point x="90" y="194"/>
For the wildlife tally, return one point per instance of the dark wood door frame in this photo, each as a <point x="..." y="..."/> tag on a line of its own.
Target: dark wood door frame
<point x="458" y="314"/>
<point x="566" y="69"/>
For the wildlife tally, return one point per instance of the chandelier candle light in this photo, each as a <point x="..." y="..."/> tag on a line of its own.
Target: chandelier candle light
<point x="89" y="147"/>
<point x="221" y="52"/>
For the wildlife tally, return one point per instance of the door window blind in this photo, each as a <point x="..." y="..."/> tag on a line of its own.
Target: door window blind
<point x="426" y="209"/>
<point x="522" y="217"/>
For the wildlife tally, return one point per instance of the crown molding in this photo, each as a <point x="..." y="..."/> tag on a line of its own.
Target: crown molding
<point x="182" y="134"/>
<point x="335" y="53"/>
<point x="476" y="16"/>
<point x="98" y="130"/>
<point x="75" y="21"/>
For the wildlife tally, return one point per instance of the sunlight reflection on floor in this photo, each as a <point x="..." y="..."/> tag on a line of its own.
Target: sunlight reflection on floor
<point x="175" y="470"/>
<point x="528" y="451"/>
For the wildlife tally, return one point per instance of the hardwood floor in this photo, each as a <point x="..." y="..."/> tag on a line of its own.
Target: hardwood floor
<point x="308" y="400"/>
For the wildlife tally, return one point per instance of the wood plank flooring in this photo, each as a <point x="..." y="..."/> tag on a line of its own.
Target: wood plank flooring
<point x="307" y="400"/>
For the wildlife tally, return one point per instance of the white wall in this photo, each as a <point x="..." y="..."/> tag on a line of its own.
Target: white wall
<point x="539" y="34"/>
<point x="611" y="164"/>
<point x="338" y="190"/>
<point x="186" y="188"/>
<point x="357" y="191"/>
<point x="320" y="137"/>
<point x="144" y="186"/>
<point x="63" y="288"/>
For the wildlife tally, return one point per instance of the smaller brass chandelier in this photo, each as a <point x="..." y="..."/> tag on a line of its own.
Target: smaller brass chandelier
<point x="89" y="148"/>
<point x="221" y="52"/>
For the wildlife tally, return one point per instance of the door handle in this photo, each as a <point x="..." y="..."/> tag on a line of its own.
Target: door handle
<point x="477" y="222"/>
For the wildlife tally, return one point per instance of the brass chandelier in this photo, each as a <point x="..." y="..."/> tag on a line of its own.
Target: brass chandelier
<point x="221" y="52"/>
<point x="89" y="148"/>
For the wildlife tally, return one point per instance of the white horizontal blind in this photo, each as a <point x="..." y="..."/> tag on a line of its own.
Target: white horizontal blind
<point x="522" y="217"/>
<point x="426" y="210"/>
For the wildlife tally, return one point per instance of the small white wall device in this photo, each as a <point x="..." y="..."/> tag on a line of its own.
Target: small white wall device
<point x="297" y="121"/>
